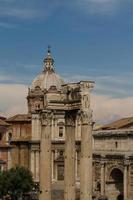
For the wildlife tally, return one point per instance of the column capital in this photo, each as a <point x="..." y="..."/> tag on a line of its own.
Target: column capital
<point x="47" y="117"/>
<point x="86" y="117"/>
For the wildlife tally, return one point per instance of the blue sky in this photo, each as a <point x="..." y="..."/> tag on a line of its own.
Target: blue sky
<point x="90" y="39"/>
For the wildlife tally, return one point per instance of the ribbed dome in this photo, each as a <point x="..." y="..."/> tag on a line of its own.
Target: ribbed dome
<point x="48" y="77"/>
<point x="46" y="80"/>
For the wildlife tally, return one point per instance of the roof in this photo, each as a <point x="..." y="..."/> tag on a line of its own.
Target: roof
<point x="3" y="123"/>
<point x="2" y="117"/>
<point x="119" y="124"/>
<point x="19" y="118"/>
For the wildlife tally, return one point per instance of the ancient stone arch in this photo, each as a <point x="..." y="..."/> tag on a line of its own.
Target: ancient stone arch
<point x="113" y="167"/>
<point x="115" y="183"/>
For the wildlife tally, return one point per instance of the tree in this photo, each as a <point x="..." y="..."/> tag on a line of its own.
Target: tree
<point x="4" y="184"/>
<point x="15" y="182"/>
<point x="20" y="181"/>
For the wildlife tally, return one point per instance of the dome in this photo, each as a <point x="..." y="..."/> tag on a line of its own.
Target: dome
<point x="48" y="77"/>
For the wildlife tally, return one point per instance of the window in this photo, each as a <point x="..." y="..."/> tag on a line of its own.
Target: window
<point x="60" y="131"/>
<point x="116" y="144"/>
<point x="60" y="172"/>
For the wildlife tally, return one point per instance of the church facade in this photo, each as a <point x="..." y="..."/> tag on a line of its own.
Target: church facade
<point x="57" y="132"/>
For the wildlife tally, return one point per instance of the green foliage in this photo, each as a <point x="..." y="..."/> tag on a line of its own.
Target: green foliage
<point x="15" y="182"/>
<point x="4" y="184"/>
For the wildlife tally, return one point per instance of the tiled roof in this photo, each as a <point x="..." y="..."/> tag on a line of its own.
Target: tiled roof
<point x="20" y="117"/>
<point x="3" y="118"/>
<point x="3" y="123"/>
<point x="119" y="124"/>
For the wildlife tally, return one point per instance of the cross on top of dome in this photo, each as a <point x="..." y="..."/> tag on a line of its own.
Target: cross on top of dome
<point x="48" y="61"/>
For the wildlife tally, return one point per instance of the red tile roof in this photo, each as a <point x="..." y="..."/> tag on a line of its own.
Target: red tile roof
<point x="119" y="124"/>
<point x="3" y="123"/>
<point x="19" y="118"/>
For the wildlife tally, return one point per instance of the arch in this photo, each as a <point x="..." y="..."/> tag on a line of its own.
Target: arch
<point x="110" y="169"/>
<point x="116" y="175"/>
<point x="115" y="185"/>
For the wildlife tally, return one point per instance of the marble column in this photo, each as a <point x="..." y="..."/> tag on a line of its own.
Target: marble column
<point x="86" y="157"/>
<point x="45" y="157"/>
<point x="69" y="193"/>
<point x="102" y="178"/>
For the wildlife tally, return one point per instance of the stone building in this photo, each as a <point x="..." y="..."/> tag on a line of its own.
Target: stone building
<point x="5" y="147"/>
<point x="57" y="132"/>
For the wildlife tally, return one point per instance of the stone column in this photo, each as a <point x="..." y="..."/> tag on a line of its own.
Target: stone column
<point x="86" y="157"/>
<point x="55" y="167"/>
<point x="52" y="162"/>
<point x="37" y="166"/>
<point x="45" y="157"/>
<point x="102" y="178"/>
<point x="69" y="193"/>
<point x="126" y="179"/>
<point x="76" y="166"/>
<point x="32" y="163"/>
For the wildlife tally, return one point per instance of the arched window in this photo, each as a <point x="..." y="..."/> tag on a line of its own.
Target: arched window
<point x="60" y="131"/>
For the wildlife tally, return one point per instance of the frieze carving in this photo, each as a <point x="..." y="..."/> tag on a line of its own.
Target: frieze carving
<point x="47" y="118"/>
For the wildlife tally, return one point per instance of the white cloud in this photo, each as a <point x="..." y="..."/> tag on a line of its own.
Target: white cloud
<point x="107" y="109"/>
<point x="13" y="99"/>
<point x="20" y="13"/>
<point x="98" y="6"/>
<point x="27" y="9"/>
<point x="114" y="85"/>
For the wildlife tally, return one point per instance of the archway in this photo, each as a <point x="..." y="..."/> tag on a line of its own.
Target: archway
<point x="115" y="185"/>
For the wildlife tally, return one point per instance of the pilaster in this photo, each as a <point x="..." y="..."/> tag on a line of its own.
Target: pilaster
<point x="126" y="165"/>
<point x="102" y="177"/>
